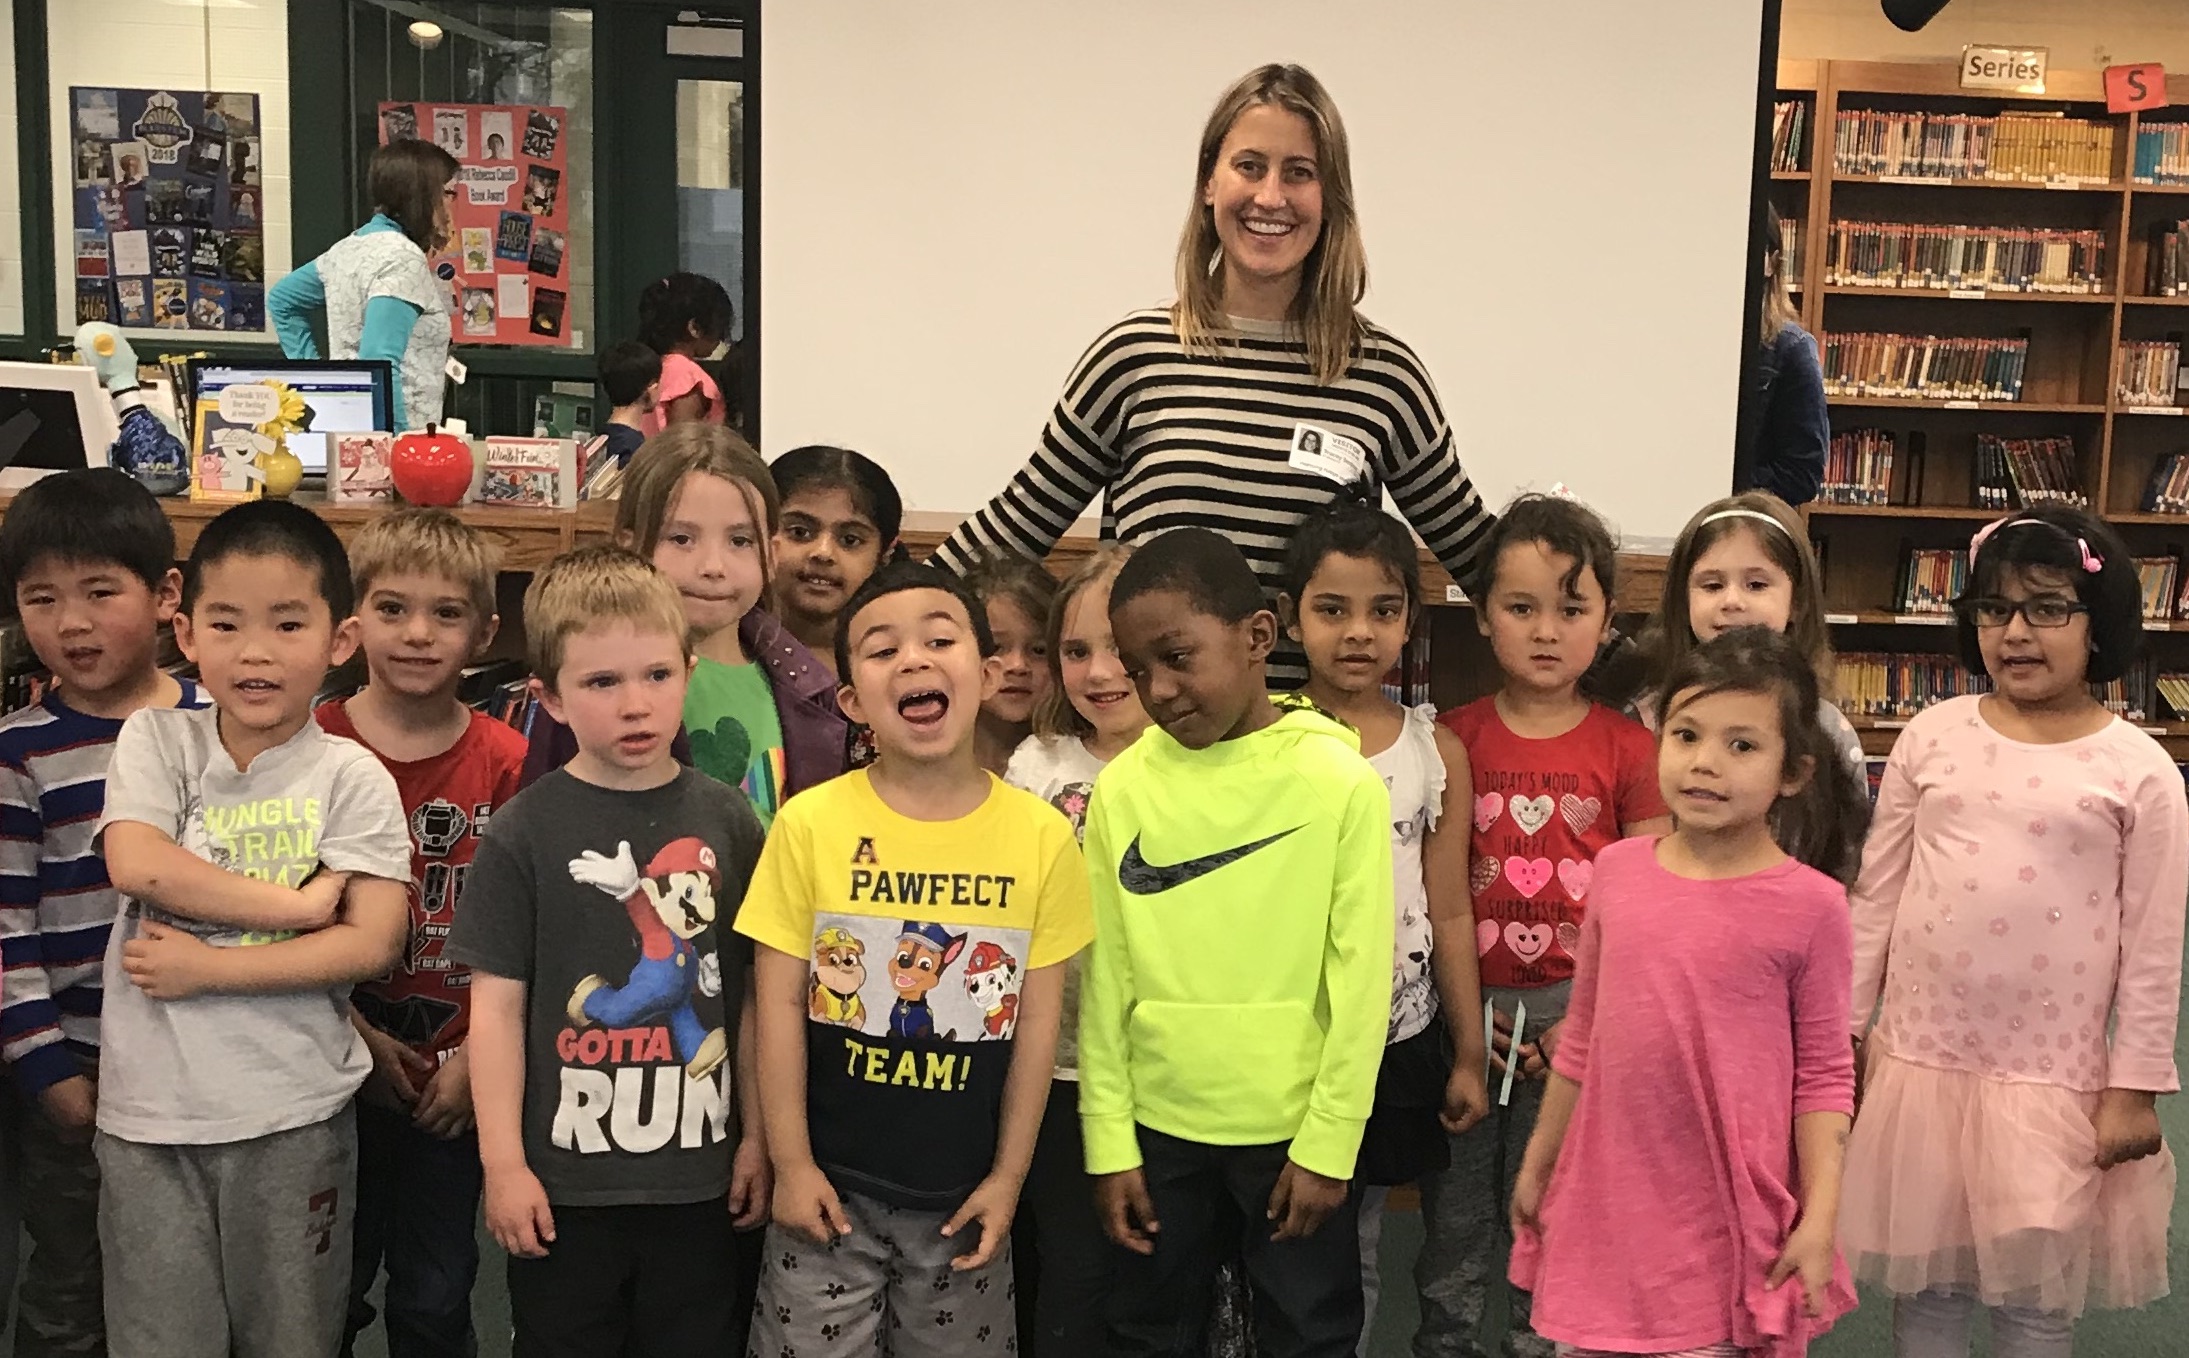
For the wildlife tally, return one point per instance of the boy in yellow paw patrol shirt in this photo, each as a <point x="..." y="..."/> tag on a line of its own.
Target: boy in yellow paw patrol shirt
<point x="912" y="919"/>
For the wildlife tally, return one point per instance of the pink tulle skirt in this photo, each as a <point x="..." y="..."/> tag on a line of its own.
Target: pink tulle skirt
<point x="1991" y="1187"/>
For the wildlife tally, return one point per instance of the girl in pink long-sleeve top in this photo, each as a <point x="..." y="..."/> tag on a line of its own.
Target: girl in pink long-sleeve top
<point x="1678" y="1195"/>
<point x="2022" y="893"/>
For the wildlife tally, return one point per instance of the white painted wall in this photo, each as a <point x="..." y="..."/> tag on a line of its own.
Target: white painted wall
<point x="958" y="196"/>
<point x="239" y="46"/>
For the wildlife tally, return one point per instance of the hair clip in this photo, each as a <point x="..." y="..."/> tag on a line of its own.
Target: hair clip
<point x="1559" y="491"/>
<point x="2092" y="562"/>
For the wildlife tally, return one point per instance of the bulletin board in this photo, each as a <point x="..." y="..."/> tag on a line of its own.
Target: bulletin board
<point x="169" y="208"/>
<point x="507" y="266"/>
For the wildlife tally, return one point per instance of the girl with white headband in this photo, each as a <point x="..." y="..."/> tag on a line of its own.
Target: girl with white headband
<point x="1745" y="561"/>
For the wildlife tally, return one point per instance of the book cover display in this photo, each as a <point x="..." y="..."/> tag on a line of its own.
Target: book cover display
<point x="506" y="264"/>
<point x="539" y="473"/>
<point x="360" y="472"/>
<point x="168" y="194"/>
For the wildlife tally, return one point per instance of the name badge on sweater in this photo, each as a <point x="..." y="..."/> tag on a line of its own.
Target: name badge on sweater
<point x="1328" y="453"/>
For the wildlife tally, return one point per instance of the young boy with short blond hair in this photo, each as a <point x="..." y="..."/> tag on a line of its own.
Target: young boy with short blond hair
<point x="424" y="582"/>
<point x="87" y="566"/>
<point x="263" y="862"/>
<point x="609" y="993"/>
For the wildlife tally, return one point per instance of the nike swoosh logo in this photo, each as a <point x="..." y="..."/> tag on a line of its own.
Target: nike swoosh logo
<point x="1142" y="878"/>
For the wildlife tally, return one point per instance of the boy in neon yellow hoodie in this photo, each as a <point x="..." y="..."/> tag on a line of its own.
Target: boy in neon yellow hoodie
<point x="1239" y="986"/>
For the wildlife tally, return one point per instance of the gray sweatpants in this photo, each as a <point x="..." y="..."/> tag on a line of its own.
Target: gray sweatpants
<point x="885" y="1291"/>
<point x="1464" y="1209"/>
<point x="242" y="1248"/>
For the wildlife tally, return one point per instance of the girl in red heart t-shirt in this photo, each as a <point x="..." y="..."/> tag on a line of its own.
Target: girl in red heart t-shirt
<point x="1557" y="778"/>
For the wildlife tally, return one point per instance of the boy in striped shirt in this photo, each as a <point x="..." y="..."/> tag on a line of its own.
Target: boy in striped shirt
<point x="87" y="564"/>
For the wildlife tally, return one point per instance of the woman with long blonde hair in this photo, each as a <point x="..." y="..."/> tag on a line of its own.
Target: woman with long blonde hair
<point x="1262" y="393"/>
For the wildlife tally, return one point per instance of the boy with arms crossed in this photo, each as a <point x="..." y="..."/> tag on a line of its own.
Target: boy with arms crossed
<point x="263" y="864"/>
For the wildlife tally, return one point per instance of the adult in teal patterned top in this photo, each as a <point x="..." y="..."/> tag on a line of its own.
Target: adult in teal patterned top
<point x="374" y="289"/>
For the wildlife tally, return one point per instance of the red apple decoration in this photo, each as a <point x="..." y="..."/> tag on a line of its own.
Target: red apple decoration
<point x="431" y="468"/>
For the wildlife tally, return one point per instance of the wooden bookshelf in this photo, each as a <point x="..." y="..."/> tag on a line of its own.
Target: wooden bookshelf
<point x="2070" y="385"/>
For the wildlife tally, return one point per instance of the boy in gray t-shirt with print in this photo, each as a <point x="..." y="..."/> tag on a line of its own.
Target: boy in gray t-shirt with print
<point x="263" y="865"/>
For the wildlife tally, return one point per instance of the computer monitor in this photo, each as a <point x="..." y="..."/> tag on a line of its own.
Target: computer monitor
<point x="53" y="417"/>
<point x="341" y="396"/>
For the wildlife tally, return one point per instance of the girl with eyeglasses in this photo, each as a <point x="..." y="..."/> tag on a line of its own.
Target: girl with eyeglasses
<point x="2019" y="912"/>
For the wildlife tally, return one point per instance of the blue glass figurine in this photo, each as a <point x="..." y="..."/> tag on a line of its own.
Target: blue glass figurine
<point x="150" y="447"/>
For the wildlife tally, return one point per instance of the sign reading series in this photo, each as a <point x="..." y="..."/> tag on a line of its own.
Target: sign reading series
<point x="505" y="264"/>
<point x="2020" y="69"/>
<point x="169" y="208"/>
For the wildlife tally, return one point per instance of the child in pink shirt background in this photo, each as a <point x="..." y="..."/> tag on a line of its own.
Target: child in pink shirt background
<point x="1679" y="1193"/>
<point x="685" y="317"/>
<point x="2022" y="890"/>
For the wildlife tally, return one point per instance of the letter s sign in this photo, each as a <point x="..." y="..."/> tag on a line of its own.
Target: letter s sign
<point x="2138" y="86"/>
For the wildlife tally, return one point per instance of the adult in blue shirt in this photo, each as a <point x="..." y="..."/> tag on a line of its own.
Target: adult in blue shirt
<point x="374" y="289"/>
<point x="1784" y="429"/>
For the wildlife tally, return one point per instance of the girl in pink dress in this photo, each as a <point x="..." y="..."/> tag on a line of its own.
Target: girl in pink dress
<point x="2021" y="895"/>
<point x="685" y="317"/>
<point x="1678" y="1195"/>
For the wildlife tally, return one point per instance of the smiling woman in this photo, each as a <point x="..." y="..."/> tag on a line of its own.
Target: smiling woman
<point x="1262" y="393"/>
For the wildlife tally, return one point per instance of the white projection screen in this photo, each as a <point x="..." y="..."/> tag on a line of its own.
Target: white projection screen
<point x="957" y="196"/>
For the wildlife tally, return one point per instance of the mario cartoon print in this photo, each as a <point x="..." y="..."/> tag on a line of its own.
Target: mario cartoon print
<point x="839" y="969"/>
<point x="672" y="904"/>
<point x="923" y="951"/>
<point x="991" y="982"/>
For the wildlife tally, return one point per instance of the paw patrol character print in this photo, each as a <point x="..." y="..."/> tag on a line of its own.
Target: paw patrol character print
<point x="991" y="980"/>
<point x="923" y="950"/>
<point x="839" y="969"/>
<point x="669" y="906"/>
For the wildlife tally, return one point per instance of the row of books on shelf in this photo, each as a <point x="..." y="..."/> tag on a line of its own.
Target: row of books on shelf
<point x="2162" y="154"/>
<point x="1890" y="686"/>
<point x="1793" y="251"/>
<point x="1935" y="367"/>
<point x="1946" y="258"/>
<point x="2017" y="473"/>
<point x="2159" y="577"/>
<point x="2167" y="492"/>
<point x="1931" y="578"/>
<point x="2167" y="274"/>
<point x="2173" y="690"/>
<point x="2034" y="148"/>
<point x="1789" y="123"/>
<point x="2150" y="372"/>
<point x="1858" y="468"/>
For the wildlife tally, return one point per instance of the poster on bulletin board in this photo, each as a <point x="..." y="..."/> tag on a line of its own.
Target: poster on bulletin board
<point x="505" y="265"/>
<point x="169" y="196"/>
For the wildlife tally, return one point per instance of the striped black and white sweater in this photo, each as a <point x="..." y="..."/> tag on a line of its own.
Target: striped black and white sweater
<point x="1171" y="439"/>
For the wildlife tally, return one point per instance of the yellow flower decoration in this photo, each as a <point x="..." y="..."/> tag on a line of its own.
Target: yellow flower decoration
<point x="291" y="416"/>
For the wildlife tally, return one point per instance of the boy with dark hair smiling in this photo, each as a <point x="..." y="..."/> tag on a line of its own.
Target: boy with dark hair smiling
<point x="87" y="565"/>
<point x="1238" y="993"/>
<point x="264" y="864"/>
<point x="914" y="918"/>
